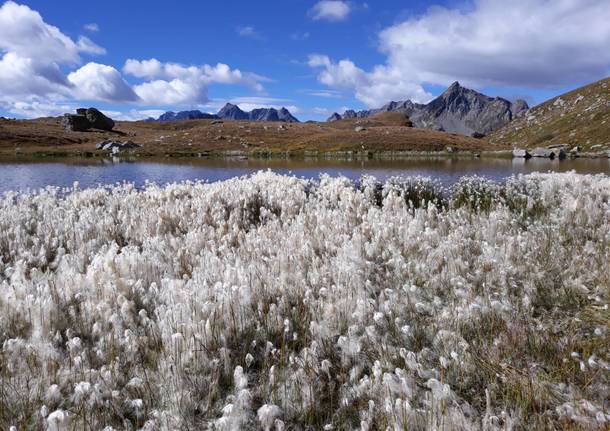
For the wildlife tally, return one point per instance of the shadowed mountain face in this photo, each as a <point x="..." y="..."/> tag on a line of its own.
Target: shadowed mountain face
<point x="457" y="110"/>
<point x="233" y="112"/>
<point x="186" y="115"/>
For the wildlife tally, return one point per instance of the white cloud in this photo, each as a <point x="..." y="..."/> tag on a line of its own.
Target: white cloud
<point x="174" y="92"/>
<point x="134" y="114"/>
<point x="36" y="108"/>
<point x="32" y="52"/>
<point x="249" y="31"/>
<point x="373" y="88"/>
<point x="22" y="77"/>
<point x="330" y="10"/>
<point x="92" y="27"/>
<point x="523" y="43"/>
<point x="86" y="45"/>
<point x="320" y="111"/>
<point x="176" y="84"/>
<point x="519" y="43"/>
<point x="96" y="81"/>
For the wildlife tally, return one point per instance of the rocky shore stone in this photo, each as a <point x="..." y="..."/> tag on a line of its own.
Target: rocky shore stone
<point x="521" y="153"/>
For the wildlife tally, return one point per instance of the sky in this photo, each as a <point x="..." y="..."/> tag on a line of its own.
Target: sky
<point x="134" y="59"/>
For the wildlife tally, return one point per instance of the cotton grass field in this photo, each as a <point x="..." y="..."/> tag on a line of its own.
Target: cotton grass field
<point x="274" y="303"/>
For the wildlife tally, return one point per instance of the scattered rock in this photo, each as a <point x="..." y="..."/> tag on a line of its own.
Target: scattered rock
<point x="558" y="153"/>
<point x="521" y="153"/>
<point x="543" y="152"/>
<point x="575" y="149"/>
<point x="116" y="146"/>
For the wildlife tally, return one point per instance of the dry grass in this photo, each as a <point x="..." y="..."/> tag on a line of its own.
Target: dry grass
<point x="578" y="118"/>
<point x="202" y="136"/>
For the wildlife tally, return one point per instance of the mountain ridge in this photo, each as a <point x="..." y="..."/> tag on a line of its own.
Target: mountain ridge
<point x="231" y="112"/>
<point x="458" y="110"/>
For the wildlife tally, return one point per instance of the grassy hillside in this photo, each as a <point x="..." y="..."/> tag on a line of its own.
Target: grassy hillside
<point x="580" y="117"/>
<point x="384" y="133"/>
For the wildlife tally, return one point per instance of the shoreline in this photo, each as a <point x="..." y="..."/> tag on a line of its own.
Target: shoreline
<point x="296" y="155"/>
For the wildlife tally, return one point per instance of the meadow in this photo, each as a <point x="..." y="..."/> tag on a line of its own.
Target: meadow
<point x="276" y="303"/>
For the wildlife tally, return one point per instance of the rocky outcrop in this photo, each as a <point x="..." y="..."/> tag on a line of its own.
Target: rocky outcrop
<point x="86" y="119"/>
<point x="457" y="110"/>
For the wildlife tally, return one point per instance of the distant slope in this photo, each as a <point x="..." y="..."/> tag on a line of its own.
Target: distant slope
<point x="458" y="110"/>
<point x="232" y="112"/>
<point x="580" y="117"/>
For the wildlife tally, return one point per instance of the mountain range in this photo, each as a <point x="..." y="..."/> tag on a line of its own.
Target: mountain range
<point x="457" y="110"/>
<point x="231" y="112"/>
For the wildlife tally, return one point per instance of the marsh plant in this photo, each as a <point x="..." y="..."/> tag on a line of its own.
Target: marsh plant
<point x="276" y="303"/>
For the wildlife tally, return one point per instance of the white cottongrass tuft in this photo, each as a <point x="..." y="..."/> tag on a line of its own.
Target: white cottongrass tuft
<point x="271" y="302"/>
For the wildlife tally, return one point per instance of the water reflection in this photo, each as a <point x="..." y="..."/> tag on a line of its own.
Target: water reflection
<point x="23" y="174"/>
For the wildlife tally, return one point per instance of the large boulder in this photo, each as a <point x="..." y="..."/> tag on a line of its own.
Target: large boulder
<point x="99" y="120"/>
<point x="86" y="119"/>
<point x="76" y="123"/>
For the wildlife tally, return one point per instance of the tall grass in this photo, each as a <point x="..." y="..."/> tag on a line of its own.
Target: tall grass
<point x="270" y="302"/>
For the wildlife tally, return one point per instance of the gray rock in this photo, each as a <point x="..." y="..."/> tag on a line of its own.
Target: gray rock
<point x="359" y="129"/>
<point x="98" y="120"/>
<point x="334" y="117"/>
<point x="86" y="119"/>
<point x="558" y="153"/>
<point x="116" y="146"/>
<point x="543" y="152"/>
<point x="450" y="149"/>
<point x="76" y="123"/>
<point x="519" y="153"/>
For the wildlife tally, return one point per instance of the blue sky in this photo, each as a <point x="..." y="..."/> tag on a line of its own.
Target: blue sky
<point x="314" y="57"/>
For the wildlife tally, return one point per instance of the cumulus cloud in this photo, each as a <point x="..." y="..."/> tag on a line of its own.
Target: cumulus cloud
<point x="373" y="88"/>
<point x="330" y="10"/>
<point x="32" y="53"/>
<point x="173" y="83"/>
<point x="523" y="43"/>
<point x="96" y="81"/>
<point x="520" y="43"/>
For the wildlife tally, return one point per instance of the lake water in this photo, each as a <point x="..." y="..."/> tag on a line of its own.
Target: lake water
<point x="23" y="175"/>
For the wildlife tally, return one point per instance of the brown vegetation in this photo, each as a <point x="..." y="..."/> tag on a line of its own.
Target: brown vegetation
<point x="191" y="137"/>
